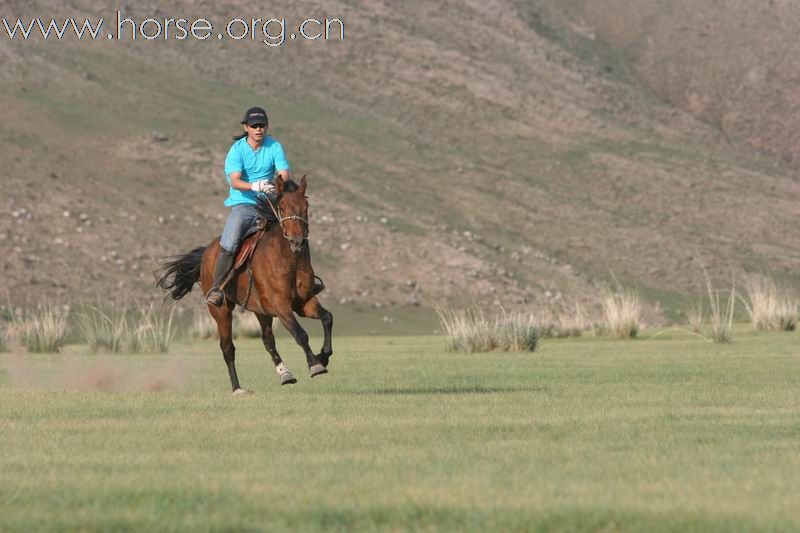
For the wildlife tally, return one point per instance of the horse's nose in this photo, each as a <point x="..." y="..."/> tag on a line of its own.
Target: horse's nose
<point x="296" y="243"/>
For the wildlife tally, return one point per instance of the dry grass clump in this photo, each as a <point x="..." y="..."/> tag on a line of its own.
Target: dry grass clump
<point x="147" y="330"/>
<point x="244" y="325"/>
<point x="564" y="321"/>
<point x="203" y="325"/>
<point x="769" y="307"/>
<point x="3" y="339"/>
<point x="721" y="318"/>
<point x="42" y="330"/>
<point x="247" y="325"/>
<point x="472" y="331"/>
<point x="104" y="331"/>
<point x="622" y="313"/>
<point x="695" y="316"/>
<point x="152" y="330"/>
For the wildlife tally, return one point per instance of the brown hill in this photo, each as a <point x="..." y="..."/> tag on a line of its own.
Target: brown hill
<point x="458" y="152"/>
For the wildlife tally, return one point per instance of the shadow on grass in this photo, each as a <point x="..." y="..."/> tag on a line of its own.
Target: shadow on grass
<point x="452" y="389"/>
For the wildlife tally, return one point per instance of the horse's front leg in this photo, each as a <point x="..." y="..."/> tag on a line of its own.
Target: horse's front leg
<point x="288" y="320"/>
<point x="313" y="309"/>
<point x="268" y="338"/>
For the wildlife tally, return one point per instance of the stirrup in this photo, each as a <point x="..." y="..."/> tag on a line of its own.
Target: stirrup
<point x="215" y="297"/>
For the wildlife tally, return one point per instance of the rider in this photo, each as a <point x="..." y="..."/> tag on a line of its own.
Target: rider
<point x="253" y="161"/>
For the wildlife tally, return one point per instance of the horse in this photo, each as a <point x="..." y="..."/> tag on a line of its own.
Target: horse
<point x="277" y="283"/>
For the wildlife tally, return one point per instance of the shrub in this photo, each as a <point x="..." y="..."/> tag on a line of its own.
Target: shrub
<point x="721" y="318"/>
<point x="244" y="325"/>
<point x="768" y="306"/>
<point x="695" y="316"/>
<point x="516" y="332"/>
<point x="153" y="331"/>
<point x="564" y="321"/>
<point x="203" y="325"/>
<point x="103" y="331"/>
<point x="622" y="313"/>
<point x="43" y="330"/>
<point x="471" y="331"/>
<point x="247" y="325"/>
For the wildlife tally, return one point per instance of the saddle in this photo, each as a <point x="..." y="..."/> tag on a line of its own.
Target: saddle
<point x="243" y="256"/>
<point x="248" y="247"/>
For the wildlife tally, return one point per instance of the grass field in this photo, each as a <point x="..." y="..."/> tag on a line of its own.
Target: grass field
<point x="670" y="434"/>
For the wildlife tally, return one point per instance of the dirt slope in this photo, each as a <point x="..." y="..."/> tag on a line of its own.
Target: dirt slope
<point x="483" y="152"/>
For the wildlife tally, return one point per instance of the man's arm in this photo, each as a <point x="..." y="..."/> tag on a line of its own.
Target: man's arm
<point x="281" y="163"/>
<point x="238" y="183"/>
<point x="233" y="169"/>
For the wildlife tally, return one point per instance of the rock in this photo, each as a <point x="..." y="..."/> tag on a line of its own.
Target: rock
<point x="159" y="137"/>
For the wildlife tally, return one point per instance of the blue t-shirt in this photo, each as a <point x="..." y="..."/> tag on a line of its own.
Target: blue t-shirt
<point x="254" y="165"/>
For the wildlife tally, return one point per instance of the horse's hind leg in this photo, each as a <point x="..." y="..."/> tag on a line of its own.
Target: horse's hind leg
<point x="313" y="309"/>
<point x="301" y="337"/>
<point x="224" y="317"/>
<point x="268" y="338"/>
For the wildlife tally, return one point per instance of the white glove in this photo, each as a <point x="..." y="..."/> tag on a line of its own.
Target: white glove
<point x="262" y="186"/>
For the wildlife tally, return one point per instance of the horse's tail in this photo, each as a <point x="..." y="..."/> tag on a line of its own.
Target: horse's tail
<point x="179" y="273"/>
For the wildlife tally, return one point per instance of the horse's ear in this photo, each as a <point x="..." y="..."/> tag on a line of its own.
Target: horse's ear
<point x="278" y="183"/>
<point x="303" y="183"/>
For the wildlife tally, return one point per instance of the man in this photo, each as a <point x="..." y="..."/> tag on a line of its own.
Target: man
<point x="252" y="164"/>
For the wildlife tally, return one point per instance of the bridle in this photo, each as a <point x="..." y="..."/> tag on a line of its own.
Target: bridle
<point x="277" y="213"/>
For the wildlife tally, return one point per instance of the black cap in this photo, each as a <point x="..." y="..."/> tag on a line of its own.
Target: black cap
<point x="255" y="115"/>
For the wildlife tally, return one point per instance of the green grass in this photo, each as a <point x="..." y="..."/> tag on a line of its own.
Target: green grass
<point x="670" y="434"/>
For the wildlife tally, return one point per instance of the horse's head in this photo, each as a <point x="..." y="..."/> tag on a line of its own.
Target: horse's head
<point x="293" y="211"/>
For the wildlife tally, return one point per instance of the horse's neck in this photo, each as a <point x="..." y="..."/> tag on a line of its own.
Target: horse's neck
<point x="279" y="244"/>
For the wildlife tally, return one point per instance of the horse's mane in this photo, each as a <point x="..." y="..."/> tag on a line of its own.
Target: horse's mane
<point x="263" y="207"/>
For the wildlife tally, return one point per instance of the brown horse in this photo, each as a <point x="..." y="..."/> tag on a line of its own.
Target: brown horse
<point x="282" y="281"/>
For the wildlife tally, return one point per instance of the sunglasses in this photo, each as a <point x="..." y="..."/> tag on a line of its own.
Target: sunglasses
<point x="257" y="126"/>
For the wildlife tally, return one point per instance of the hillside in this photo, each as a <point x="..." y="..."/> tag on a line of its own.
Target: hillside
<point x="490" y="152"/>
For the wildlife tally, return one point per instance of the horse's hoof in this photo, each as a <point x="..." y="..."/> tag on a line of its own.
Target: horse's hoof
<point x="288" y="379"/>
<point x="318" y="370"/>
<point x="242" y="392"/>
<point x="324" y="359"/>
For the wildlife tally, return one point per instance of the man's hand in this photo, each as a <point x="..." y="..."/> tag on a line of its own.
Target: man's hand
<point x="262" y="186"/>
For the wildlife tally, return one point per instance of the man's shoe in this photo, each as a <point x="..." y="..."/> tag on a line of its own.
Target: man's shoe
<point x="317" y="288"/>
<point x="224" y="265"/>
<point x="215" y="297"/>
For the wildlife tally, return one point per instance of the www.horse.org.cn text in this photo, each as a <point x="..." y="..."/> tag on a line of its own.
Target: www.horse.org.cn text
<point x="268" y="31"/>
